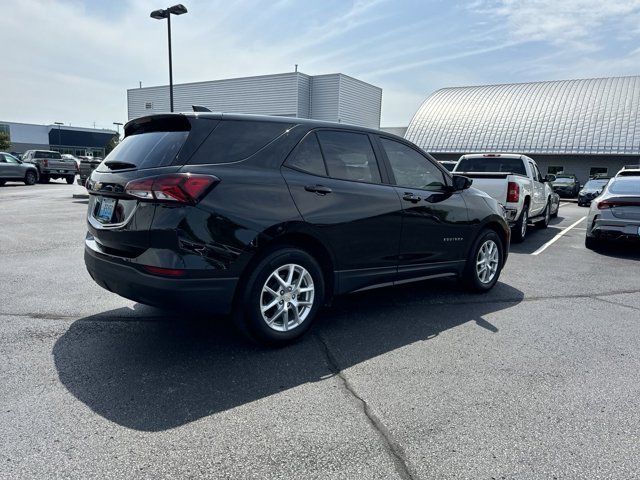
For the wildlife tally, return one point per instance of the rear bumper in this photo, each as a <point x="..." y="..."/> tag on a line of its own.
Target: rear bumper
<point x="619" y="230"/>
<point x="213" y="295"/>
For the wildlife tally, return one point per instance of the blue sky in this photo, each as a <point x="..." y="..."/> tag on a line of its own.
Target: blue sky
<point x="72" y="61"/>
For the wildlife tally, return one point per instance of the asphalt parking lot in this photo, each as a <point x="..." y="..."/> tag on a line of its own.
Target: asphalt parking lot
<point x="540" y="378"/>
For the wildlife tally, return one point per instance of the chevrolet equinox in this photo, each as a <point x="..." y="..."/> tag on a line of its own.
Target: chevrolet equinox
<point x="270" y="217"/>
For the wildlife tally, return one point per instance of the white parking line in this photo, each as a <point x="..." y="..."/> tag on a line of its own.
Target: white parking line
<point x="557" y="237"/>
<point x="565" y="203"/>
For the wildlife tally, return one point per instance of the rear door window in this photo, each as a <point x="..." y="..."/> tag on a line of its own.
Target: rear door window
<point x="349" y="156"/>
<point x="308" y="157"/>
<point x="492" y="164"/>
<point x="235" y="140"/>
<point x="147" y="150"/>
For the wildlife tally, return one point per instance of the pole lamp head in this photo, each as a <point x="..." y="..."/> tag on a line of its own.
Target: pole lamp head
<point x="159" y="14"/>
<point x="178" y="9"/>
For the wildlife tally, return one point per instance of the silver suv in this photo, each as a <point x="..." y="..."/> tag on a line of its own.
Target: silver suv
<point x="51" y="165"/>
<point x="12" y="169"/>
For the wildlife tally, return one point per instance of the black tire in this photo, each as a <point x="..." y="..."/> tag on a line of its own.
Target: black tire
<point x="44" y="179"/>
<point x="592" y="243"/>
<point x="519" y="230"/>
<point x="544" y="223"/>
<point x="2" y="182"/>
<point x="470" y="277"/>
<point x="30" y="178"/>
<point x="70" y="179"/>
<point x="248" y="316"/>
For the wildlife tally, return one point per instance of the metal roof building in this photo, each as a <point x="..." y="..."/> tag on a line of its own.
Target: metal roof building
<point x="579" y="126"/>
<point x="333" y="97"/>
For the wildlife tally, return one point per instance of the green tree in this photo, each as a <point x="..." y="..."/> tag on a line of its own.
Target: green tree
<point x="113" y="143"/>
<point x="5" y="142"/>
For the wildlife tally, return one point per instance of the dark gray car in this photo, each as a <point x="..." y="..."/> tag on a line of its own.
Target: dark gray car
<point x="615" y="215"/>
<point x="12" y="169"/>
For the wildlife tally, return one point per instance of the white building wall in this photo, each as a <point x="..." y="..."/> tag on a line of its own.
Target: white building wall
<point x="324" y="97"/>
<point x="359" y="103"/>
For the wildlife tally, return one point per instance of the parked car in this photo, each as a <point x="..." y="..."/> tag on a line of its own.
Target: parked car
<point x="566" y="185"/>
<point x="448" y="164"/>
<point x="270" y="217"/>
<point x="12" y="169"/>
<point x="51" y="165"/>
<point x="615" y="215"/>
<point x="629" y="171"/>
<point x="68" y="156"/>
<point x="591" y="190"/>
<point x="514" y="181"/>
<point x="87" y="165"/>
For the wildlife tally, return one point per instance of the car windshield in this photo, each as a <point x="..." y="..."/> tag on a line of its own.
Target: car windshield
<point x="564" y="180"/>
<point x="595" y="184"/>
<point x="491" y="164"/>
<point x="625" y="186"/>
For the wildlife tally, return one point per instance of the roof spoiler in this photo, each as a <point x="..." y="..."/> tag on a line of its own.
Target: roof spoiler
<point x="200" y="108"/>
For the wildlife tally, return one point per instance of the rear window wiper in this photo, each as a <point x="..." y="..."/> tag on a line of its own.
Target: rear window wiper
<point x="116" y="165"/>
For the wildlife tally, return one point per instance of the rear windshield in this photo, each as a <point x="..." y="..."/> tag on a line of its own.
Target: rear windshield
<point x="53" y="155"/>
<point x="492" y="164"/>
<point x="148" y="150"/>
<point x="562" y="180"/>
<point x="626" y="186"/>
<point x="629" y="173"/>
<point x="234" y="140"/>
<point x="448" y="165"/>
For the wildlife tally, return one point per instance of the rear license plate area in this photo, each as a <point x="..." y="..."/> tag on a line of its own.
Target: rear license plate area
<point x="105" y="209"/>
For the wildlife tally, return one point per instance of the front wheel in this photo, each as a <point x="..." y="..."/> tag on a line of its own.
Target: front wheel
<point x="281" y="297"/>
<point x="519" y="230"/>
<point x="30" y="177"/>
<point x="484" y="263"/>
<point x="591" y="243"/>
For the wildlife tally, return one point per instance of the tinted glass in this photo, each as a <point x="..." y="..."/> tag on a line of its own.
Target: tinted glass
<point x="595" y="184"/>
<point x="412" y="169"/>
<point x="53" y="155"/>
<point x="626" y="186"/>
<point x="449" y="165"/>
<point x="564" y="180"/>
<point x="308" y="157"/>
<point x="11" y="159"/>
<point x="349" y="156"/>
<point x="492" y="164"/>
<point x="148" y="150"/>
<point x="234" y="140"/>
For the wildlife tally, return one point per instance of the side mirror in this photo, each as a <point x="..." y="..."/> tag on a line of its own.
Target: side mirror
<point x="460" y="182"/>
<point x="549" y="178"/>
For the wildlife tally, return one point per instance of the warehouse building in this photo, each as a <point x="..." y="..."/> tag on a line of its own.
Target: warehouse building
<point x="334" y="97"/>
<point x="582" y="127"/>
<point x="62" y="138"/>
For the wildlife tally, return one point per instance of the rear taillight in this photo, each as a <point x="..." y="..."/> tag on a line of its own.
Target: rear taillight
<point x="167" y="272"/>
<point x="513" y="192"/>
<point x="45" y="162"/>
<point x="603" y="205"/>
<point x="177" y="187"/>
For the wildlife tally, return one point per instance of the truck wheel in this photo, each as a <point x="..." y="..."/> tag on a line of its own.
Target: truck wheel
<point x="280" y="298"/>
<point x="544" y="223"/>
<point x="69" y="179"/>
<point x="44" y="178"/>
<point x="519" y="230"/>
<point x="591" y="243"/>
<point x="30" y="178"/>
<point x="484" y="263"/>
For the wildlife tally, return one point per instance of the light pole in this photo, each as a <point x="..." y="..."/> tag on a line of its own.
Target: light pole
<point x="178" y="9"/>
<point x="59" y="141"/>
<point x="118" y="125"/>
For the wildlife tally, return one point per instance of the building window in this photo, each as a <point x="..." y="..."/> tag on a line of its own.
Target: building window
<point x="553" y="170"/>
<point x="148" y="105"/>
<point x="593" y="171"/>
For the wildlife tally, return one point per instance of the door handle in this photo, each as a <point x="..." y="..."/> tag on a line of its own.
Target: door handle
<point x="410" y="197"/>
<point x="319" y="189"/>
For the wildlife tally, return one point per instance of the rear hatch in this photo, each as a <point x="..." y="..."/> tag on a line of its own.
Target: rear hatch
<point x="54" y="161"/>
<point x="152" y="146"/>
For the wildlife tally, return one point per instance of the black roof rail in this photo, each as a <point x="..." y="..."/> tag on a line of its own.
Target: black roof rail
<point x="199" y="108"/>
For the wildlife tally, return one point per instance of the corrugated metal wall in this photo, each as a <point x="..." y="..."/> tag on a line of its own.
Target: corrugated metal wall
<point x="334" y="97"/>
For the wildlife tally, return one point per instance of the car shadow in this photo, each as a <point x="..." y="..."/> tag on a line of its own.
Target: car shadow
<point x="536" y="237"/>
<point x="624" y="251"/>
<point x="152" y="370"/>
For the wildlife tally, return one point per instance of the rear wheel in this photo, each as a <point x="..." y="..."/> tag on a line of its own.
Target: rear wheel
<point x="44" y="178"/>
<point x="30" y="177"/>
<point x="2" y="182"/>
<point x="70" y="179"/>
<point x="484" y="263"/>
<point x="519" y="230"/>
<point x="592" y="243"/>
<point x="281" y="297"/>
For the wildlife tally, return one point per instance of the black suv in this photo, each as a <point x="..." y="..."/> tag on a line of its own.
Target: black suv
<point x="269" y="217"/>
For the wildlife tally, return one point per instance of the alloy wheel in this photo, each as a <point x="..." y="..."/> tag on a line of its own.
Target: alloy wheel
<point x="287" y="297"/>
<point x="525" y="220"/>
<point x="487" y="261"/>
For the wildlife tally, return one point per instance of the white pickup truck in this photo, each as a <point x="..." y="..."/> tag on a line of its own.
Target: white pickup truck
<point x="515" y="182"/>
